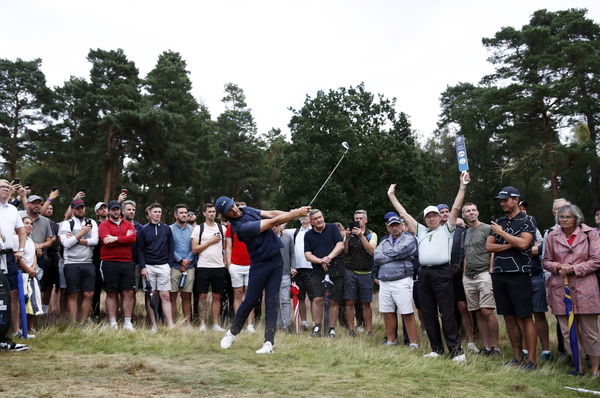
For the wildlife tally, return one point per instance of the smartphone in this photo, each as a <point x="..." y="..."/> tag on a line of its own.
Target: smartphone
<point x="124" y="190"/>
<point x="353" y="224"/>
<point x="81" y="190"/>
<point x="88" y="223"/>
<point x="54" y="188"/>
<point x="16" y="181"/>
<point x="28" y="185"/>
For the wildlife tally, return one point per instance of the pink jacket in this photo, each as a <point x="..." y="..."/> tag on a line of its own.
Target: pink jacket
<point x="584" y="255"/>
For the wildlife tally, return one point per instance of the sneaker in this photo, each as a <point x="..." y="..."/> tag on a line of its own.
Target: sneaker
<point x="390" y="343"/>
<point x="459" y="358"/>
<point x="202" y="328"/>
<point x="217" y="328"/>
<point x="9" y="345"/>
<point x="316" y="332"/>
<point x="114" y="326"/>
<point x="250" y="328"/>
<point x="227" y="340"/>
<point x="304" y="328"/>
<point x="128" y="326"/>
<point x="575" y="373"/>
<point x="352" y="334"/>
<point x="546" y="356"/>
<point x="432" y="354"/>
<point x="331" y="333"/>
<point x="473" y="348"/>
<point x="267" y="348"/>
<point x="370" y="334"/>
<point x="513" y="363"/>
<point x="413" y="346"/>
<point x="154" y="329"/>
<point x="19" y="334"/>
<point x="528" y="365"/>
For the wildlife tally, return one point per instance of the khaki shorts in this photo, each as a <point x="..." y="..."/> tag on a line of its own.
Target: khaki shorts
<point x="176" y="278"/>
<point x="479" y="291"/>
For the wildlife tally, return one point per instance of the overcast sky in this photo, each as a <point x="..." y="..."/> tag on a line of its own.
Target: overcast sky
<point x="278" y="51"/>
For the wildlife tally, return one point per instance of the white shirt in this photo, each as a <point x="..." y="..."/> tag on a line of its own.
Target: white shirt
<point x="9" y="220"/>
<point x="434" y="245"/>
<point x="75" y="252"/>
<point x="212" y="256"/>
<point x="301" y="261"/>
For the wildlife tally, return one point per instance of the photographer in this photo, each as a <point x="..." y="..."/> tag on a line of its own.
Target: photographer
<point x="79" y="235"/>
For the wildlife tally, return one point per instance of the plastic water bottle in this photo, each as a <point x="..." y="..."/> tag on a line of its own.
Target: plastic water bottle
<point x="183" y="280"/>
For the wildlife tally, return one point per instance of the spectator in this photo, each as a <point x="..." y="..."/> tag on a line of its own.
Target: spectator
<point x="79" y="236"/>
<point x="117" y="236"/>
<point x="183" y="265"/>
<point x="393" y="269"/>
<point x="572" y="255"/>
<point x="359" y="247"/>
<point x="287" y="254"/>
<point x="436" y="290"/>
<point x="101" y="211"/>
<point x="301" y="273"/>
<point x="28" y="263"/>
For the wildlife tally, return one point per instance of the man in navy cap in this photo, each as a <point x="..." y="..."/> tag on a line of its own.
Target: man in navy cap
<point x="510" y="240"/>
<point x="253" y="227"/>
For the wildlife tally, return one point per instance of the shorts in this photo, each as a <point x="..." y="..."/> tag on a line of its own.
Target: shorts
<point x="317" y="286"/>
<point x="213" y="277"/>
<point x="459" y="289"/>
<point x="62" y="281"/>
<point x="513" y="294"/>
<point x="117" y="275"/>
<point x="479" y="291"/>
<point x="50" y="278"/>
<point x="159" y="276"/>
<point x="176" y="278"/>
<point x="79" y="277"/>
<point x="12" y="274"/>
<point x="302" y="279"/>
<point x="358" y="287"/>
<point x="396" y="296"/>
<point x="239" y="275"/>
<point x="538" y="300"/>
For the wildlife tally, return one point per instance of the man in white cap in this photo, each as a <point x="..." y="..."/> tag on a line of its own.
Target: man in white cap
<point x="436" y="289"/>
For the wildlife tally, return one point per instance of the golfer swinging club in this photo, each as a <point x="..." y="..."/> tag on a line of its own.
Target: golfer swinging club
<point x="253" y="227"/>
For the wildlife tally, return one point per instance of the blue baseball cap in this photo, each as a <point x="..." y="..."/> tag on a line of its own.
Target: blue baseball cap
<point x="223" y="204"/>
<point x="442" y="206"/>
<point x="389" y="215"/>
<point x="113" y="204"/>
<point x="394" y="220"/>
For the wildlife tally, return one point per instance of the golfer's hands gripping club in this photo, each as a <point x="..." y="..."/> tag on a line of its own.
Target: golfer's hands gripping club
<point x="301" y="211"/>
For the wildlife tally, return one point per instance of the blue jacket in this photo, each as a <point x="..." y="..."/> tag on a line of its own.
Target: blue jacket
<point x="155" y="245"/>
<point x="394" y="260"/>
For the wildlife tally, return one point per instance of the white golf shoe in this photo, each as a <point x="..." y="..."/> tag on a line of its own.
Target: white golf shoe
<point x="267" y="348"/>
<point x="227" y="340"/>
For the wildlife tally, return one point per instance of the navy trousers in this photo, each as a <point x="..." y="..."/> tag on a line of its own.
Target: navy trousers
<point x="265" y="276"/>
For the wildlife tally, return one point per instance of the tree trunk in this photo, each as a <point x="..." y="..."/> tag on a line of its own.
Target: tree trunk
<point x="13" y="144"/>
<point x="110" y="164"/>
<point x="594" y="167"/>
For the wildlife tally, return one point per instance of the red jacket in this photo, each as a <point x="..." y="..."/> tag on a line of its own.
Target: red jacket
<point x="121" y="249"/>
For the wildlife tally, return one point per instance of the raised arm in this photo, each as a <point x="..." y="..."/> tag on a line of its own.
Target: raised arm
<point x="280" y="217"/>
<point x="460" y="197"/>
<point x="411" y="223"/>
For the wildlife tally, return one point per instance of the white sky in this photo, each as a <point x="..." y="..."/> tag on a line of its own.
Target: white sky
<point x="278" y="51"/>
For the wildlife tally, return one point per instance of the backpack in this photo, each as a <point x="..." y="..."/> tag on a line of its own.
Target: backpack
<point x="220" y="231"/>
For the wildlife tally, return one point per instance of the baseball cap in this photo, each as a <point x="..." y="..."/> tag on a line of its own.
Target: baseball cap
<point x="389" y="215"/>
<point x="394" y="220"/>
<point x="113" y="204"/>
<point x="223" y="204"/>
<point x="508" y="192"/>
<point x="430" y="209"/>
<point x="442" y="206"/>
<point x="523" y="203"/>
<point x="99" y="205"/>
<point x="33" y="198"/>
<point x="77" y="203"/>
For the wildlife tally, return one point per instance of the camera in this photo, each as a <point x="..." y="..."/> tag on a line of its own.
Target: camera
<point x="353" y="224"/>
<point x="16" y="181"/>
<point x="88" y="223"/>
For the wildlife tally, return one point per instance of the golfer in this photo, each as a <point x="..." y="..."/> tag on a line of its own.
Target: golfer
<point x="253" y="227"/>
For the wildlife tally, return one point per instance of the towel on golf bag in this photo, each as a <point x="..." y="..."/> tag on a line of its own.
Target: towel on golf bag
<point x="33" y="296"/>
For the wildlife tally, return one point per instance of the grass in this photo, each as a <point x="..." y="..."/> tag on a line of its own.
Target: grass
<point x="95" y="361"/>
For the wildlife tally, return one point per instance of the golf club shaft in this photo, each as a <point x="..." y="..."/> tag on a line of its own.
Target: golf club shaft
<point x="328" y="177"/>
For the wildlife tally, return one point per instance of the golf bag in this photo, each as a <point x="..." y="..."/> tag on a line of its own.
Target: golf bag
<point x="4" y="305"/>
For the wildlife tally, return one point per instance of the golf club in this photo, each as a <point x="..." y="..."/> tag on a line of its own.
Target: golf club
<point x="346" y="147"/>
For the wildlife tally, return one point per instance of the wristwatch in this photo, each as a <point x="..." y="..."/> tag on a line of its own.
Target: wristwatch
<point x="21" y="249"/>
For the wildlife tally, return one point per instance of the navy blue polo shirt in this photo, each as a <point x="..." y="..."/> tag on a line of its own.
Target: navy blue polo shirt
<point x="514" y="260"/>
<point x="262" y="246"/>
<point x="320" y="244"/>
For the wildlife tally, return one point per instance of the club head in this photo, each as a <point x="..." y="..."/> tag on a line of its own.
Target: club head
<point x="345" y="145"/>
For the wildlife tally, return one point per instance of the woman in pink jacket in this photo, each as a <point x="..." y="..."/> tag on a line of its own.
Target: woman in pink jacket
<point x="573" y="251"/>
